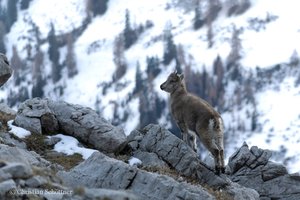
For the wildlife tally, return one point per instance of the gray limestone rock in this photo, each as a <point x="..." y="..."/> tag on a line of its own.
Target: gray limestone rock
<point x="273" y="170"/>
<point x="31" y="124"/>
<point x="45" y="116"/>
<point x="35" y="181"/>
<point x="12" y="140"/>
<point x="100" y="171"/>
<point x="252" y="169"/>
<point x="18" y="170"/>
<point x="239" y="192"/>
<point x="100" y="194"/>
<point x="176" y="153"/>
<point x="5" y="69"/>
<point x="6" y="186"/>
<point x="51" y="141"/>
<point x="154" y="139"/>
<point x="15" y="154"/>
<point x="150" y="160"/>
<point x="4" y="176"/>
<point x="30" y="114"/>
<point x="6" y="113"/>
<point x="87" y="126"/>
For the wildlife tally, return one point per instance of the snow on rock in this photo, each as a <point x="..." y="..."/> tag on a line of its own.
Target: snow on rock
<point x="69" y="145"/>
<point x="18" y="131"/>
<point x="134" y="161"/>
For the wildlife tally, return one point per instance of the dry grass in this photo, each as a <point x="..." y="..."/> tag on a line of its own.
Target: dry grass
<point x="36" y="142"/>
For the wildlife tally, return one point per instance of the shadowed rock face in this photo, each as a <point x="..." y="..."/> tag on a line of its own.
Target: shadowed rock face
<point x="252" y="168"/>
<point x="5" y="69"/>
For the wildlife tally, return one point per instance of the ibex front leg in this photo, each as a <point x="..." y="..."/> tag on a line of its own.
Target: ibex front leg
<point x="185" y="136"/>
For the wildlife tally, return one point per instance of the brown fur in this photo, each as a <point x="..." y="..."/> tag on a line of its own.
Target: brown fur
<point x="193" y="113"/>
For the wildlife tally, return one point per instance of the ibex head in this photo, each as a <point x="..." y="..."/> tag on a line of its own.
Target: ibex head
<point x="173" y="82"/>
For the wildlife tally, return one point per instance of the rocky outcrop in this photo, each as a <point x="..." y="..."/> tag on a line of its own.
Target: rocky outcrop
<point x="25" y="175"/>
<point x="114" y="174"/>
<point x="252" y="168"/>
<point x="5" y="69"/>
<point x="175" y="153"/>
<point x="45" y="116"/>
<point x="6" y="113"/>
<point x="169" y="168"/>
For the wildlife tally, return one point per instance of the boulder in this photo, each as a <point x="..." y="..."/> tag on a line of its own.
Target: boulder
<point x="150" y="160"/>
<point x="176" y="153"/>
<point x="5" y="69"/>
<point x="6" y="186"/>
<point x="87" y="126"/>
<point x="11" y="140"/>
<point x="18" y="170"/>
<point x="252" y="168"/>
<point x="171" y="150"/>
<point x="6" y="113"/>
<point x="98" y="194"/>
<point x="15" y="154"/>
<point x="30" y="115"/>
<point x="35" y="181"/>
<point x="45" y="116"/>
<point x="100" y="171"/>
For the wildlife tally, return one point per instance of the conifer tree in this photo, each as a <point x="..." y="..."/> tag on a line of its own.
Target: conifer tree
<point x="130" y="36"/>
<point x="70" y="58"/>
<point x="96" y="7"/>
<point x="198" y="21"/>
<point x="24" y="4"/>
<point x="119" y="58"/>
<point x="54" y="55"/>
<point x="139" y="82"/>
<point x="170" y="51"/>
<point x="210" y="35"/>
<point x="2" y="34"/>
<point x="12" y="13"/>
<point x="16" y="63"/>
<point x="150" y="106"/>
<point x="152" y="67"/>
<point x="236" y="47"/>
<point x="37" y="77"/>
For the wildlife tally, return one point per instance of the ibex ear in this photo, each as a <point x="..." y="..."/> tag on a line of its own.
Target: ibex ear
<point x="181" y="76"/>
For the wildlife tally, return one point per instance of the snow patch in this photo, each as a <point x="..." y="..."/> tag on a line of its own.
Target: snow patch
<point x="69" y="145"/>
<point x="18" y="131"/>
<point x="134" y="161"/>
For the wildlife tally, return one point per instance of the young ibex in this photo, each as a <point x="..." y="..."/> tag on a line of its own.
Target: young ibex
<point x="195" y="114"/>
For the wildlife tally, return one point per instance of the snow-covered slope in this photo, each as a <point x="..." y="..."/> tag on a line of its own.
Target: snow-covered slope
<point x="268" y="32"/>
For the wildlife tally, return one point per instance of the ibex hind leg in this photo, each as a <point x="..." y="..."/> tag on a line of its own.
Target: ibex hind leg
<point x="193" y="141"/>
<point x="218" y="161"/>
<point x="222" y="161"/>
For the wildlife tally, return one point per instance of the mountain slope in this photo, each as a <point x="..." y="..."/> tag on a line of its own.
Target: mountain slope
<point x="249" y="90"/>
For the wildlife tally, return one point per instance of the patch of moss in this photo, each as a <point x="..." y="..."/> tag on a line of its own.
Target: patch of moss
<point x="79" y="191"/>
<point x="67" y="162"/>
<point x="36" y="142"/>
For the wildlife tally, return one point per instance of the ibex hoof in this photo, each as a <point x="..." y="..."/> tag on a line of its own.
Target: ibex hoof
<point x="223" y="170"/>
<point x="220" y="170"/>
